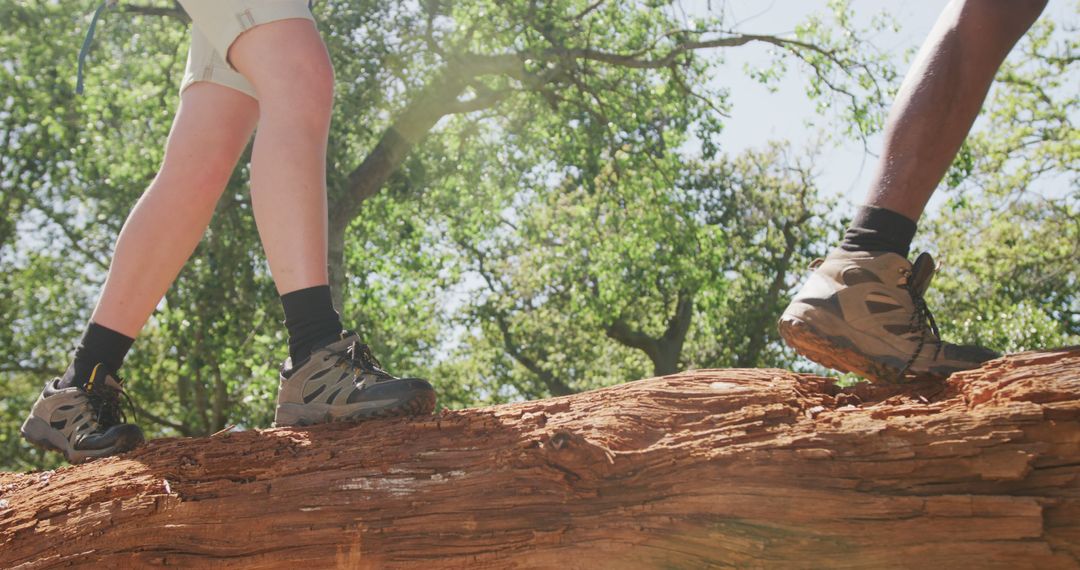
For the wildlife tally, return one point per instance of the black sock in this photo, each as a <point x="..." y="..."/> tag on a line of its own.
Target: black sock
<point x="878" y="229"/>
<point x="310" y="317"/>
<point x="99" y="345"/>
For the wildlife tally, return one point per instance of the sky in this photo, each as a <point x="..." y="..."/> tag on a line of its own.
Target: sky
<point x="759" y="115"/>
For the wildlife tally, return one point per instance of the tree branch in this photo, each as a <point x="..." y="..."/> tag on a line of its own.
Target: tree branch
<point x="588" y="9"/>
<point x="75" y="239"/>
<point x="664" y="352"/>
<point x="620" y="331"/>
<point x="554" y="385"/>
<point x="39" y="370"/>
<point x="478" y="103"/>
<point x="636" y="62"/>
<point x="679" y="323"/>
<point x="175" y="12"/>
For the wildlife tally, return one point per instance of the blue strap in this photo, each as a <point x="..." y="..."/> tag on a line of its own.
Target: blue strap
<point x="87" y="41"/>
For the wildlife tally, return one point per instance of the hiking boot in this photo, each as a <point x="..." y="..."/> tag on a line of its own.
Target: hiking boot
<point x="82" y="423"/>
<point x="342" y="381"/>
<point x="864" y="312"/>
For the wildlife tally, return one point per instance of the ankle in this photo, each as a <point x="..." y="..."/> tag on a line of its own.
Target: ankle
<point x="70" y="378"/>
<point x="879" y="229"/>
<point x="310" y="319"/>
<point x="79" y="374"/>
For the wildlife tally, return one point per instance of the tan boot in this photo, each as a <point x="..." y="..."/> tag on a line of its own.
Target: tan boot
<point x="342" y="381"/>
<point x="864" y="312"/>
<point x="82" y="423"/>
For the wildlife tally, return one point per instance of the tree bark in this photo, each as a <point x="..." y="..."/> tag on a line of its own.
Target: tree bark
<point x="705" y="469"/>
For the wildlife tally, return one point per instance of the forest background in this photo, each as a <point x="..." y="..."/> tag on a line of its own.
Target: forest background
<point x="527" y="198"/>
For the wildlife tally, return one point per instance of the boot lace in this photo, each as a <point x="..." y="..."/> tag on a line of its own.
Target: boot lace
<point x="923" y="322"/>
<point x="359" y="358"/>
<point x="106" y="403"/>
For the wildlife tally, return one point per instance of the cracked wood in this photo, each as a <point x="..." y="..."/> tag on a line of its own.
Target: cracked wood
<point x="709" y="468"/>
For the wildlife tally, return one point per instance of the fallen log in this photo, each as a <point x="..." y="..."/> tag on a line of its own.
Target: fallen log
<point x="704" y="469"/>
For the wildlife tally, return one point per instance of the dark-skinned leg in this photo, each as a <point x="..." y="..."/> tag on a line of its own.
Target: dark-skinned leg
<point x="862" y="309"/>
<point x="941" y="96"/>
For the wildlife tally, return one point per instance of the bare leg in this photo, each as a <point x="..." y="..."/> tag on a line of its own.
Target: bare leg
<point x="289" y="67"/>
<point x="211" y="129"/>
<point x="941" y="96"/>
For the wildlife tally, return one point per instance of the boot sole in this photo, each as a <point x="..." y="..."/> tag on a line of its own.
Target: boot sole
<point x="39" y="433"/>
<point x="420" y="403"/>
<point x="839" y="353"/>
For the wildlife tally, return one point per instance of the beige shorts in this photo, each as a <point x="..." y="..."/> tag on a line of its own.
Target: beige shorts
<point x="215" y="25"/>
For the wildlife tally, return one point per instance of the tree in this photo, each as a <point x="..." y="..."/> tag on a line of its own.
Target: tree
<point x="708" y="468"/>
<point x="639" y="270"/>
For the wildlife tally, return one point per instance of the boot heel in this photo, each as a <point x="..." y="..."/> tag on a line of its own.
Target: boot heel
<point x="41" y="434"/>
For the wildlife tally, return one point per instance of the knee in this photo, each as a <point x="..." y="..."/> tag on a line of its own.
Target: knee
<point x="304" y="91"/>
<point x="287" y="63"/>
<point x="314" y="77"/>
<point x="1018" y="12"/>
<point x="1028" y="10"/>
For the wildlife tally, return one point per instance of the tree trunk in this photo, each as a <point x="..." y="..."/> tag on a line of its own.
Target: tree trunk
<point x="704" y="469"/>
<point x="665" y="350"/>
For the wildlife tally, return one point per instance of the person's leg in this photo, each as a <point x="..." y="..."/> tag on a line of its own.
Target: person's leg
<point x="274" y="52"/>
<point x="862" y="310"/>
<point x="937" y="103"/>
<point x="290" y="69"/>
<point x="79" y="415"/>
<point x="212" y="127"/>
<point x="291" y="72"/>
<point x="330" y="375"/>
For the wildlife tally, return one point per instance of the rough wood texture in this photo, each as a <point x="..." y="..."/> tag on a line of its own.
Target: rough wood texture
<point x="705" y="469"/>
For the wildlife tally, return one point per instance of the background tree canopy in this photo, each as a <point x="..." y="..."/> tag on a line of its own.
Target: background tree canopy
<point x="526" y="199"/>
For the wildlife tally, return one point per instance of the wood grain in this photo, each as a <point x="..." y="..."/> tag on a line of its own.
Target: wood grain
<point x="703" y="469"/>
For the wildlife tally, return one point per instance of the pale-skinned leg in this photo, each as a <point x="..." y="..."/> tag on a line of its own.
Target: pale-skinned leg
<point x="290" y="69"/>
<point x="212" y="127"/>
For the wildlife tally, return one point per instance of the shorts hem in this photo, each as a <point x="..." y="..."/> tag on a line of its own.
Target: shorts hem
<point x="217" y="76"/>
